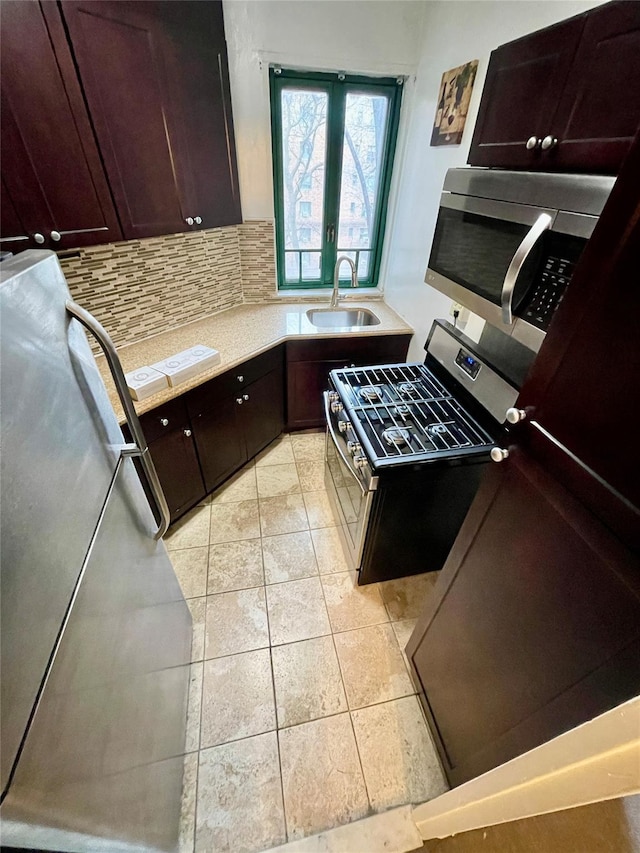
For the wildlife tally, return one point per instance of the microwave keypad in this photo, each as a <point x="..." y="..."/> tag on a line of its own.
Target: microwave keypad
<point x="553" y="281"/>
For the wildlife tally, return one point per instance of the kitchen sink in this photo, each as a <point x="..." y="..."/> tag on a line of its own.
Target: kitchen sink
<point x="333" y="318"/>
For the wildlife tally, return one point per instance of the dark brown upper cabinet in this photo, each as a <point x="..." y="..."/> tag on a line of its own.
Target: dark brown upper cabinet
<point x="156" y="82"/>
<point x="564" y="98"/>
<point x="54" y="190"/>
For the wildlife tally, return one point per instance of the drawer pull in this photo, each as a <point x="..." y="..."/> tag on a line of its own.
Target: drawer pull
<point x="164" y="421"/>
<point x="187" y="432"/>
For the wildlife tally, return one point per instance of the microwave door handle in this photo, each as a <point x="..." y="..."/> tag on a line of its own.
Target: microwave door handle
<point x="522" y="253"/>
<point x="139" y="448"/>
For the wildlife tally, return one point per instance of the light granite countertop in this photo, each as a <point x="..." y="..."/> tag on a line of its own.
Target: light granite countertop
<point x="238" y="334"/>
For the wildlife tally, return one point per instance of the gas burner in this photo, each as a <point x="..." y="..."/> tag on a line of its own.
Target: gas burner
<point x="370" y="393"/>
<point x="437" y="429"/>
<point x="396" y="436"/>
<point x="407" y="389"/>
<point x="402" y="409"/>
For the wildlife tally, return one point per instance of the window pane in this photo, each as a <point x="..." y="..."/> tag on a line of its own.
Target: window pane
<point x="304" y="122"/>
<point x="292" y="266"/>
<point x="362" y="160"/>
<point x="311" y="266"/>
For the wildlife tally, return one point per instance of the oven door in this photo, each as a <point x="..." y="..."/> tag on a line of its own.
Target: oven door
<point x="486" y="253"/>
<point x="351" y="498"/>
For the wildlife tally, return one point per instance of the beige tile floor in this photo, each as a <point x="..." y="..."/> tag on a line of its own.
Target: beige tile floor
<point x="302" y="713"/>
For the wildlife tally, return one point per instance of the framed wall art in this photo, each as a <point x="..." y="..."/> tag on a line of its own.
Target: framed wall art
<point x="453" y="104"/>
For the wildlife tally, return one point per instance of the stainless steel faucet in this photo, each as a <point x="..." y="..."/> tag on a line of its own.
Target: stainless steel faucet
<point x="336" y="279"/>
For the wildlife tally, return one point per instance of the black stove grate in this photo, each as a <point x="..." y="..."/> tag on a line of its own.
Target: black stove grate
<point x="408" y="399"/>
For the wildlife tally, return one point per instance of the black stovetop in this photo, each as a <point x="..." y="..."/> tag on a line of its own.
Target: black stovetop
<point x="403" y="413"/>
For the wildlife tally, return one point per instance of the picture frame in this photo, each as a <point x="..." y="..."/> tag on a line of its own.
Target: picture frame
<point x="454" y="96"/>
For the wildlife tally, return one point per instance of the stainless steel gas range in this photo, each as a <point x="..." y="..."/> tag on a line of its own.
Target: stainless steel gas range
<point x="406" y="445"/>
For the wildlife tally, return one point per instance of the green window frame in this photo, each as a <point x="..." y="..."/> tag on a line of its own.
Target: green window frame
<point x="337" y="88"/>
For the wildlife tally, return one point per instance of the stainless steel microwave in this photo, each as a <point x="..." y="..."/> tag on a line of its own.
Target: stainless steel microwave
<point x="506" y="243"/>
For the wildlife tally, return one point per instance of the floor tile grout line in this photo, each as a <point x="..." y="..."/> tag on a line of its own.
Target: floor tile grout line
<point x="346" y="697"/>
<point x="201" y="704"/>
<point x="275" y="713"/>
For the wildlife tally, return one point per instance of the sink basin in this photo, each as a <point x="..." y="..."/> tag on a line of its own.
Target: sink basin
<point x="341" y="318"/>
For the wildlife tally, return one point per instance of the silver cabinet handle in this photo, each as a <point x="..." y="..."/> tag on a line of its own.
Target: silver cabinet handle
<point x="189" y="220"/>
<point x="499" y="454"/>
<point x="140" y="447"/>
<point x="514" y="416"/>
<point x="239" y="401"/>
<point x="245" y="397"/>
<point x="187" y="432"/>
<point x="55" y="236"/>
<point x="240" y="378"/>
<point x="532" y="142"/>
<point x="39" y="238"/>
<point x="549" y="142"/>
<point x="198" y="220"/>
<point x="522" y="253"/>
<point x="164" y="422"/>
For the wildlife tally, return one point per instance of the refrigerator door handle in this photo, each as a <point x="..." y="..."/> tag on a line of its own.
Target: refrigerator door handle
<point x="139" y="447"/>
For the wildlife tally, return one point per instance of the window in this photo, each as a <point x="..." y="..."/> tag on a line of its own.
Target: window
<point x="335" y="139"/>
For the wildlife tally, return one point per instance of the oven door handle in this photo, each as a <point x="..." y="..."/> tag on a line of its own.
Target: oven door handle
<point x="542" y="223"/>
<point x="336" y="443"/>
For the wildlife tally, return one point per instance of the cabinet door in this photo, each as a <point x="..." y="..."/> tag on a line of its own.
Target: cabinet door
<point x="201" y="117"/>
<point x="521" y="91"/>
<point x="599" y="111"/>
<point x="263" y="412"/>
<point x="13" y="234"/>
<point x="306" y="380"/>
<point x="219" y="439"/>
<point x="536" y="627"/>
<point x="119" y="49"/>
<point x="176" y="462"/>
<point x="167" y="142"/>
<point x="50" y="163"/>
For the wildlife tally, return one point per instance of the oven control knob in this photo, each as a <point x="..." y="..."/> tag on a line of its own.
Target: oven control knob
<point x="343" y="426"/>
<point x="360" y="461"/>
<point x="336" y="406"/>
<point x="499" y="454"/>
<point x="353" y="447"/>
<point x="333" y="396"/>
<point x="514" y="416"/>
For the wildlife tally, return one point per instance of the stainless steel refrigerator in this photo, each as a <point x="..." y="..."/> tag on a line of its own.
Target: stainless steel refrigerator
<point x="95" y="632"/>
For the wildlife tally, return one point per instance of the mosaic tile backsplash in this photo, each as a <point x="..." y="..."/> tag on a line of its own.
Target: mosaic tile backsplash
<point x="142" y="287"/>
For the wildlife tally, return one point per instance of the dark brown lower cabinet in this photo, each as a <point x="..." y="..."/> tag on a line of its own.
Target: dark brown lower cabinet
<point x="218" y="438"/>
<point x="175" y="460"/>
<point x="173" y="453"/>
<point x="236" y="415"/>
<point x="310" y="362"/>
<point x="536" y="626"/>
<point x="262" y="415"/>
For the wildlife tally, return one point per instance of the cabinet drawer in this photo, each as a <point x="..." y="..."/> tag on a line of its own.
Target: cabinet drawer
<point x="376" y="348"/>
<point x="233" y="382"/>
<point x="174" y="412"/>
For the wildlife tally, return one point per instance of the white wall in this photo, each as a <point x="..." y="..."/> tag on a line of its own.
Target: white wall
<point x="454" y="33"/>
<point x="381" y="37"/>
